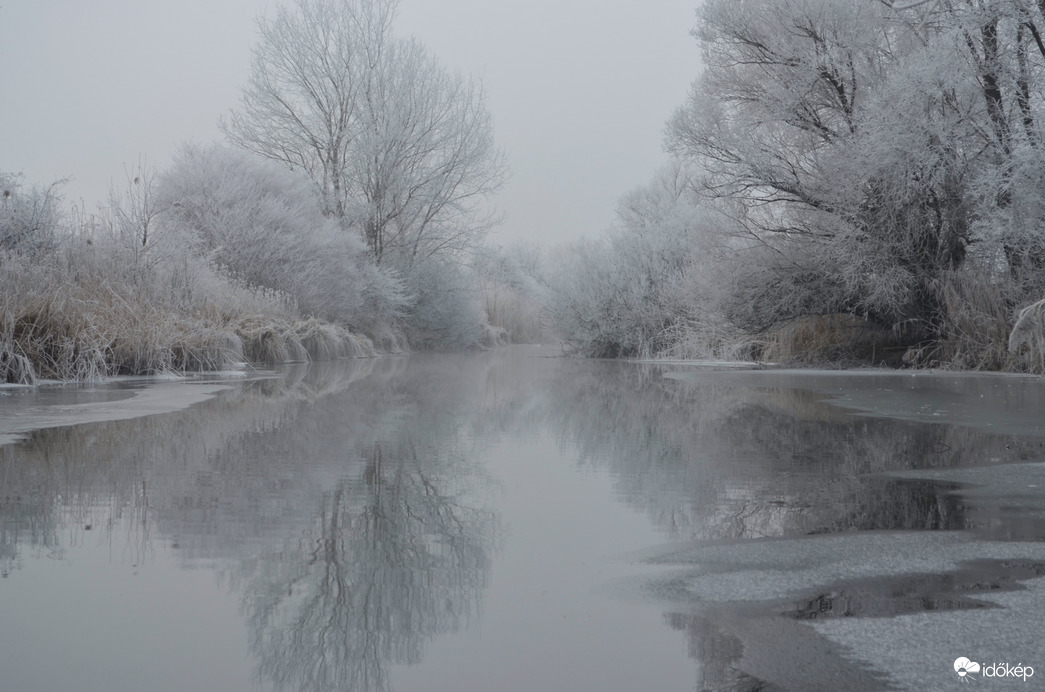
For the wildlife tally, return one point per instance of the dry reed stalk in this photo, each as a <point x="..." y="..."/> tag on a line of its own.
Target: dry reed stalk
<point x="268" y="339"/>
<point x="975" y="327"/>
<point x="834" y="338"/>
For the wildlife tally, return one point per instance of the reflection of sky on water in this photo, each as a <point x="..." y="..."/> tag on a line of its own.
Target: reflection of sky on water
<point x="364" y="514"/>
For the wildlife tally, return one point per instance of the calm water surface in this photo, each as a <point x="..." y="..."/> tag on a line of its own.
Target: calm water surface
<point x="506" y="521"/>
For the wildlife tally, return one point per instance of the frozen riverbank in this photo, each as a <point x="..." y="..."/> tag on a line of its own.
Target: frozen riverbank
<point x="884" y="609"/>
<point x="23" y="410"/>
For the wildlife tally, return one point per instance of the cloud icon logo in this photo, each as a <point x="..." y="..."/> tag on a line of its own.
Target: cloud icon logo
<point x="963" y="666"/>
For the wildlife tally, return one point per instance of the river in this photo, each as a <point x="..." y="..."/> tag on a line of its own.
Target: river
<point x="511" y="520"/>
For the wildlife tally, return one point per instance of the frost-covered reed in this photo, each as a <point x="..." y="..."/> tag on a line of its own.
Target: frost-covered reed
<point x="72" y="316"/>
<point x="88" y="311"/>
<point x="274" y="339"/>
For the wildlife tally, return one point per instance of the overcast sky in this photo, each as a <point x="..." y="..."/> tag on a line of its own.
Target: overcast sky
<point x="579" y="90"/>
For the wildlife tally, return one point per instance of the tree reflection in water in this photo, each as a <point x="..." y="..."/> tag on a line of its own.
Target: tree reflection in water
<point x="717" y="461"/>
<point x="719" y="654"/>
<point x="345" y="507"/>
<point x="344" y="503"/>
<point x="390" y="560"/>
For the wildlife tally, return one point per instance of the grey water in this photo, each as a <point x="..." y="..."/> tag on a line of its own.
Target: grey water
<point x="514" y="521"/>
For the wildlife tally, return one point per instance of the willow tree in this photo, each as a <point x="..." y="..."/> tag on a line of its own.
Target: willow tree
<point x="399" y="148"/>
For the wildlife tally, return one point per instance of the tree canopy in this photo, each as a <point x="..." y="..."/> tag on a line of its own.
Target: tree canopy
<point x="399" y="148"/>
<point x="879" y="162"/>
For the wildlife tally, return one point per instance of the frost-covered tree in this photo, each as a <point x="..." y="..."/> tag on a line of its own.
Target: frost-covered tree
<point x="30" y="217"/>
<point x="646" y="287"/>
<point x="854" y="139"/>
<point x="262" y="225"/>
<point x="777" y="115"/>
<point x="444" y="313"/>
<point x="513" y="291"/>
<point x="870" y="165"/>
<point x="427" y="160"/>
<point x="1005" y="55"/>
<point x="398" y="147"/>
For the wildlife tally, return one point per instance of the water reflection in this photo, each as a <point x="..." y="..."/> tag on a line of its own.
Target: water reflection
<point x="723" y="653"/>
<point x="719" y="654"/>
<point x="347" y="508"/>
<point x="343" y="503"/>
<point x="391" y="558"/>
<point x="195" y="466"/>
<point x="718" y="461"/>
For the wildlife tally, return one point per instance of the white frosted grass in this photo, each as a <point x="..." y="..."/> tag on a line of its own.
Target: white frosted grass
<point x="272" y="339"/>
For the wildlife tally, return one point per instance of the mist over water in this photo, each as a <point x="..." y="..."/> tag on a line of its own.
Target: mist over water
<point x="501" y="520"/>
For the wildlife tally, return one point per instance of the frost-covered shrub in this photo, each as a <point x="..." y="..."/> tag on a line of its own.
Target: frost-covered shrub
<point x="263" y="226"/>
<point x="282" y="340"/>
<point x="30" y="218"/>
<point x="444" y="313"/>
<point x="512" y="293"/>
<point x="133" y="290"/>
<point x="85" y="312"/>
<point x="646" y="288"/>
<point x="764" y="285"/>
<point x="587" y="307"/>
<point x="980" y="306"/>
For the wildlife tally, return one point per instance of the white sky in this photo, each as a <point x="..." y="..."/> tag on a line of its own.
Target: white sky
<point x="579" y="90"/>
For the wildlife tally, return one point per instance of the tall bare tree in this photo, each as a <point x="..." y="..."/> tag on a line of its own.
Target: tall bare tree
<point x="398" y="147"/>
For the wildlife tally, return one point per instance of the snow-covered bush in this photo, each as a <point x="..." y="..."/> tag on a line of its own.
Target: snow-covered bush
<point x="85" y="311"/>
<point x="444" y="312"/>
<point x="512" y="291"/>
<point x="264" y="227"/>
<point x="29" y="217"/>
<point x="648" y="288"/>
<point x="132" y="291"/>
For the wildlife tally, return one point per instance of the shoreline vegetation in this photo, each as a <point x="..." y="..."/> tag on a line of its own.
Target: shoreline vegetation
<point x="850" y="183"/>
<point x="225" y="258"/>
<point x="76" y="318"/>
<point x="87" y="301"/>
<point x="346" y="217"/>
<point x="140" y="289"/>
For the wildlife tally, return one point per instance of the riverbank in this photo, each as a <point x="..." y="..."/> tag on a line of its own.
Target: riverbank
<point x="86" y="313"/>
